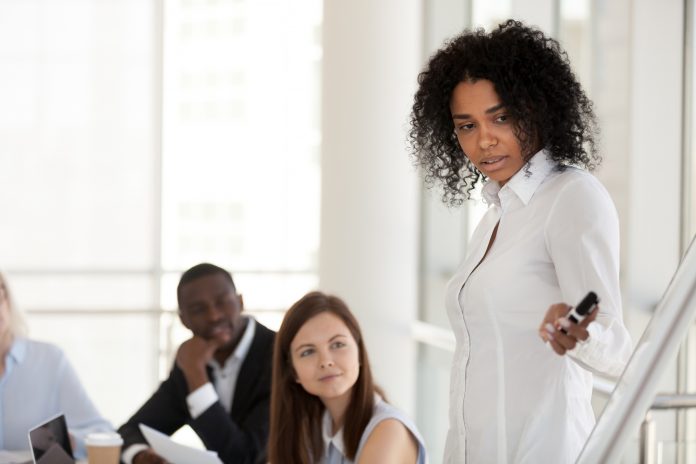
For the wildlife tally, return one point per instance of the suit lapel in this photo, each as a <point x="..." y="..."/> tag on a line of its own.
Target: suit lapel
<point x="249" y="374"/>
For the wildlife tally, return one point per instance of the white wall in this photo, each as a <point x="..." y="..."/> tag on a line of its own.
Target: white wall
<point x="369" y="224"/>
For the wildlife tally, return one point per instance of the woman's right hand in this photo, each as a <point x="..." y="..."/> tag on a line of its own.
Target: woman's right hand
<point x="555" y="320"/>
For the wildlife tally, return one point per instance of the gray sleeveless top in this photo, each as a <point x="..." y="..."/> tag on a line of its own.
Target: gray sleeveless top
<point x="333" y="445"/>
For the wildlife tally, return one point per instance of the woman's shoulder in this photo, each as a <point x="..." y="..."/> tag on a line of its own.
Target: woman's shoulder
<point x="571" y="183"/>
<point x="383" y="409"/>
<point x="572" y="175"/>
<point x="391" y="418"/>
<point x="39" y="350"/>
<point x="577" y="200"/>
<point x="391" y="425"/>
<point x="390" y="441"/>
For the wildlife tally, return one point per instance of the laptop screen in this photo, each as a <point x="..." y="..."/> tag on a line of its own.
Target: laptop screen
<point x="50" y="443"/>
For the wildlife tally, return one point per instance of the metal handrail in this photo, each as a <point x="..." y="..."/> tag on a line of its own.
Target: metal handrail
<point x="602" y="386"/>
<point x="662" y="401"/>
<point x="674" y="401"/>
<point x="648" y="429"/>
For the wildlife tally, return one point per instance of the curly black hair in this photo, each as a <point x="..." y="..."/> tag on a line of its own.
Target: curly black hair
<point x="533" y="78"/>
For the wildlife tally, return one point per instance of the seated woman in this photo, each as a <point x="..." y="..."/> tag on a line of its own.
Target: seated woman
<point x="325" y="407"/>
<point x="37" y="382"/>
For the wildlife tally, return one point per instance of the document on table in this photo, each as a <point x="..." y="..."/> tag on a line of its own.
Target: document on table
<point x="177" y="453"/>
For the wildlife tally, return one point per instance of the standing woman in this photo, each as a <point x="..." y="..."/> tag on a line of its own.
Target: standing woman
<point x="504" y="108"/>
<point x="325" y="407"/>
<point x="36" y="382"/>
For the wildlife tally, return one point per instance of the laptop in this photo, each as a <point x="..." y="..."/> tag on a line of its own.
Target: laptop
<point x="50" y="442"/>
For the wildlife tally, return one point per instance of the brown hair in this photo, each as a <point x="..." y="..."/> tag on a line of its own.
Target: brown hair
<point x="295" y="435"/>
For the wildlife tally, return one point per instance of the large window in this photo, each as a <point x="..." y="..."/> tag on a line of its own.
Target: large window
<point x="240" y="167"/>
<point x="138" y="138"/>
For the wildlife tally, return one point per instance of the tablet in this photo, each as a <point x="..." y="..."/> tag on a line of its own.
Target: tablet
<point x="50" y="443"/>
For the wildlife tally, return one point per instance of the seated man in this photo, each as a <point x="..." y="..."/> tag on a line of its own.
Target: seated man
<point x="220" y="383"/>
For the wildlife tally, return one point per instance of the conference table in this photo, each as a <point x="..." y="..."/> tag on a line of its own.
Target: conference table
<point x="22" y="457"/>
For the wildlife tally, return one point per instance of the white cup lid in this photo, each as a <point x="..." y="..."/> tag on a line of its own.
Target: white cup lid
<point x="103" y="439"/>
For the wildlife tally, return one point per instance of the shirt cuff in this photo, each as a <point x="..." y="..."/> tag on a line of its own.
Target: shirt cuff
<point x="585" y="350"/>
<point x="201" y="399"/>
<point x="594" y="353"/>
<point x="131" y="451"/>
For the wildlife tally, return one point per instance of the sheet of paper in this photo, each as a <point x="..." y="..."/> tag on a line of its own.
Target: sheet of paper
<point x="177" y="453"/>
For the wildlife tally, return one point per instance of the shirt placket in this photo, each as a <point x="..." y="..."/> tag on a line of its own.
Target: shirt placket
<point x="466" y="354"/>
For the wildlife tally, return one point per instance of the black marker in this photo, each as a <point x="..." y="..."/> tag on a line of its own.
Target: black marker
<point x="578" y="313"/>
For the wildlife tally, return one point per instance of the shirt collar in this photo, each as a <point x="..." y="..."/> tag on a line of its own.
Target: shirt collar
<point x="335" y="439"/>
<point x="18" y="350"/>
<point x="245" y="343"/>
<point x="525" y="182"/>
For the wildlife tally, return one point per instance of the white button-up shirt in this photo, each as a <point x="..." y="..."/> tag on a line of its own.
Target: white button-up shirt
<point x="512" y="399"/>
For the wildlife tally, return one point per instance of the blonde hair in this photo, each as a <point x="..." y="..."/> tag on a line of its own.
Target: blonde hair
<point x="17" y="325"/>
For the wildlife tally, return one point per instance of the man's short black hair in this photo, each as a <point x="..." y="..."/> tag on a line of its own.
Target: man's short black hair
<point x="201" y="270"/>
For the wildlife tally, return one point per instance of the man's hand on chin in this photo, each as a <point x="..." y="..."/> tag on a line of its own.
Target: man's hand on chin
<point x="192" y="357"/>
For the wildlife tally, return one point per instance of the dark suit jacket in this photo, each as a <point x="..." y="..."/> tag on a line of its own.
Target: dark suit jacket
<point x="239" y="437"/>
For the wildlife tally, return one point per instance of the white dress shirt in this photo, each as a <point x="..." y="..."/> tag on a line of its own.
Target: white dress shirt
<point x="225" y="382"/>
<point x="512" y="398"/>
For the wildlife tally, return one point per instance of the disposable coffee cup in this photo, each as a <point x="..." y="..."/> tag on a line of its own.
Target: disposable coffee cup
<point x="103" y="448"/>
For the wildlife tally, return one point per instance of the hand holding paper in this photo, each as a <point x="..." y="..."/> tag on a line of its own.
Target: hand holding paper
<point x="177" y="453"/>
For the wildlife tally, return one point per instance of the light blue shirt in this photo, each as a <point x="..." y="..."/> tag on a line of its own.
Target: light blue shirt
<point x="334" y="449"/>
<point x="38" y="383"/>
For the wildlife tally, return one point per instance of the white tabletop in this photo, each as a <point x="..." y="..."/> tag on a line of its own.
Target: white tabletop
<point x="20" y="457"/>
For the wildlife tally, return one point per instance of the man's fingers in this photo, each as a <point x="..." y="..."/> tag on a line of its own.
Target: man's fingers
<point x="148" y="457"/>
<point x="155" y="458"/>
